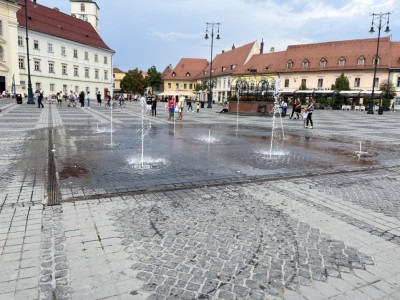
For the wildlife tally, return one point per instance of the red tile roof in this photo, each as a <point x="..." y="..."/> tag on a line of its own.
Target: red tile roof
<point x="117" y="70"/>
<point x="395" y="55"/>
<point x="236" y="57"/>
<point x="54" y="22"/>
<point x="332" y="52"/>
<point x="192" y="66"/>
<point x="262" y="63"/>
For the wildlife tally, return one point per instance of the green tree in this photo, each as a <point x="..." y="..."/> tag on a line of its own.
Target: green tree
<point x="341" y="84"/>
<point x="154" y="77"/>
<point x="303" y="86"/>
<point x="134" y="82"/>
<point x="388" y="93"/>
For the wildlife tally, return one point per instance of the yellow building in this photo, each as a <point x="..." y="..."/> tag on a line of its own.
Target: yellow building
<point x="118" y="75"/>
<point x="183" y="78"/>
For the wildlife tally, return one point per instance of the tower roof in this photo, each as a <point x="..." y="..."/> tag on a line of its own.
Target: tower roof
<point x="85" y="1"/>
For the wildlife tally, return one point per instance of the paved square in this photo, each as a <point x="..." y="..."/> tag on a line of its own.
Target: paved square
<point x="213" y="214"/>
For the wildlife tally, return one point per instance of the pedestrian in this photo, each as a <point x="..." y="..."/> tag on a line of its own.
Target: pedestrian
<point x="296" y="108"/>
<point x="40" y="98"/>
<point x="189" y="103"/>
<point x="59" y="99"/>
<point x="149" y="103"/>
<point x="98" y="99"/>
<point x="310" y="110"/>
<point x="171" y="109"/>
<point x="284" y="107"/>
<point x="393" y="106"/>
<point x="198" y="107"/>
<point x="154" y="106"/>
<point x="181" y="103"/>
<point x="88" y="99"/>
<point x="82" y="99"/>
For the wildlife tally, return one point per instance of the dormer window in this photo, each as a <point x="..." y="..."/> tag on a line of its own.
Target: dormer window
<point x="361" y="61"/>
<point x="187" y="74"/>
<point x="289" y="64"/>
<point x="377" y="60"/>
<point x="205" y="73"/>
<point x="305" y="63"/>
<point x="233" y="66"/>
<point x="212" y="71"/>
<point x="173" y="74"/>
<point x="223" y="69"/>
<point x="342" y="61"/>
<point x="322" y="63"/>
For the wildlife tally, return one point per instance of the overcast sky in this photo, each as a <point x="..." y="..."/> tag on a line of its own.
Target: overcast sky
<point x="160" y="32"/>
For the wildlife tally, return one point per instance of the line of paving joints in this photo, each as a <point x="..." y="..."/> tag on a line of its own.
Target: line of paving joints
<point x="217" y="184"/>
<point x="53" y="187"/>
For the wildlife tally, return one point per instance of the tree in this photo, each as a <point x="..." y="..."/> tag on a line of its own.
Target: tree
<point x="303" y="86"/>
<point x="154" y="77"/>
<point x="388" y="93"/>
<point x="341" y="84"/>
<point x="134" y="82"/>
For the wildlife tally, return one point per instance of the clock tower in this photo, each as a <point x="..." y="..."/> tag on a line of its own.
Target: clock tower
<point x="86" y="10"/>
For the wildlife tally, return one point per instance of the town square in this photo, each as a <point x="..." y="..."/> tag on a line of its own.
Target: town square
<point x="259" y="172"/>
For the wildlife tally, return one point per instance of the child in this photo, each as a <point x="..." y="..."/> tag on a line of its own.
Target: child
<point x="198" y="107"/>
<point x="304" y="115"/>
<point x="171" y="112"/>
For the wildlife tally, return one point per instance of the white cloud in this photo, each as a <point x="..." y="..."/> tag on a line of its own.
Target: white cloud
<point x="173" y="36"/>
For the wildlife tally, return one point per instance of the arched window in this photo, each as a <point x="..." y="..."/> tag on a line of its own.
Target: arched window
<point x="187" y="74"/>
<point x="1" y="54"/>
<point x="342" y="61"/>
<point x="361" y="61"/>
<point x="252" y="86"/>
<point x="377" y="60"/>
<point x="305" y="63"/>
<point x="82" y="7"/>
<point x="173" y="74"/>
<point x="322" y="63"/>
<point x="289" y="64"/>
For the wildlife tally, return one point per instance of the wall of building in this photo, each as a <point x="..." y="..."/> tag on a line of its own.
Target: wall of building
<point x="56" y="81"/>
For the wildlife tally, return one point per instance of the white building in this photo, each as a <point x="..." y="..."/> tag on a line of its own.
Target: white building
<point x="66" y="53"/>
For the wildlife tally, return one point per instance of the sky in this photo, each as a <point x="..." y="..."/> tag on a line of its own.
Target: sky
<point x="161" y="32"/>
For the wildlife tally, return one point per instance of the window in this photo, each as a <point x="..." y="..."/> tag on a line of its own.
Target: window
<point x="229" y="83"/>
<point x="38" y="86"/>
<point x="376" y="59"/>
<point x="51" y="67"/>
<point x="322" y="63"/>
<point x="82" y="7"/>
<point x="173" y="74"/>
<point x="223" y="69"/>
<point x="62" y="50"/>
<point x="37" y="65"/>
<point x="76" y="89"/>
<point x="50" y="47"/>
<point x="252" y="86"/>
<point x="23" y="85"/>
<point x="21" y="63"/>
<point x="191" y="86"/>
<point x="233" y="66"/>
<point x="342" y="61"/>
<point x="361" y="61"/>
<point x="219" y="84"/>
<point x="114" y="85"/>
<point x="304" y="82"/>
<point x="97" y="90"/>
<point x="20" y="41"/>
<point x="96" y="74"/>
<point x="64" y="88"/>
<point x="1" y="27"/>
<point x="86" y="55"/>
<point x="75" y="53"/>
<point x="187" y="74"/>
<point x="36" y="44"/>
<point x="169" y="85"/>
<point x="286" y="82"/>
<point x="305" y="64"/>
<point x="76" y="71"/>
<point x="96" y="58"/>
<point x="185" y="86"/>
<point x="320" y="82"/>
<point x="176" y="86"/>
<point x="64" y="69"/>
<point x="1" y="54"/>
<point x="105" y="75"/>
<point x="289" y="64"/>
<point x="357" y="82"/>
<point x="86" y="72"/>
<point x="105" y="59"/>
<point x="87" y="89"/>
<point x="224" y="83"/>
<point x="376" y="83"/>
<point x="52" y="87"/>
<point x="398" y="81"/>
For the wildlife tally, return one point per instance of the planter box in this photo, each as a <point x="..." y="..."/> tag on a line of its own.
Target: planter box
<point x="251" y="107"/>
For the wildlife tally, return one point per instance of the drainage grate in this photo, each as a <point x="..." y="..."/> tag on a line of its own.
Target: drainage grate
<point x="53" y="188"/>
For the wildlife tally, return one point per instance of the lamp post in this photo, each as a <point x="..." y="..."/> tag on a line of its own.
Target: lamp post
<point x="30" y="92"/>
<point x="211" y="26"/>
<point x="375" y="17"/>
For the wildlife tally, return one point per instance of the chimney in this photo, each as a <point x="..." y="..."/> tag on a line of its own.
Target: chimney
<point x="233" y="47"/>
<point x="272" y="50"/>
<point x="262" y="47"/>
<point x="223" y="51"/>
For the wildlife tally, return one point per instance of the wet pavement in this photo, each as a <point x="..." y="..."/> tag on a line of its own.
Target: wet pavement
<point x="211" y="212"/>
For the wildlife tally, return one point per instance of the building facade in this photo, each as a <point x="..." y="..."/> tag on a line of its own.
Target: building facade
<point x="118" y="75"/>
<point x="66" y="53"/>
<point x="86" y="10"/>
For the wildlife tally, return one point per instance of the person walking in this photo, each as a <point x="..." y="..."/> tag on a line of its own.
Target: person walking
<point x="296" y="108"/>
<point x="198" y="107"/>
<point x="40" y="98"/>
<point x="82" y="99"/>
<point x="98" y="99"/>
<point x="154" y="106"/>
<point x="189" y="103"/>
<point x="88" y="99"/>
<point x="180" y="107"/>
<point x="310" y="110"/>
<point x="59" y="99"/>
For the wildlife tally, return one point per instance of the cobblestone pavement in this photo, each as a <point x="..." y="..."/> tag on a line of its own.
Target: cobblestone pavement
<point x="212" y="221"/>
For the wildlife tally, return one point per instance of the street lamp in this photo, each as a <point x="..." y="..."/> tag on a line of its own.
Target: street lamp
<point x="30" y="92"/>
<point x="376" y="17"/>
<point x="211" y="26"/>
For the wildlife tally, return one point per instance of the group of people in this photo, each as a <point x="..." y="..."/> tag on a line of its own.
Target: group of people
<point x="72" y="98"/>
<point x="178" y="107"/>
<point x="306" y="115"/>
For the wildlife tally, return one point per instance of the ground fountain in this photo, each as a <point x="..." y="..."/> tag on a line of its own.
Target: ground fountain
<point x="276" y="111"/>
